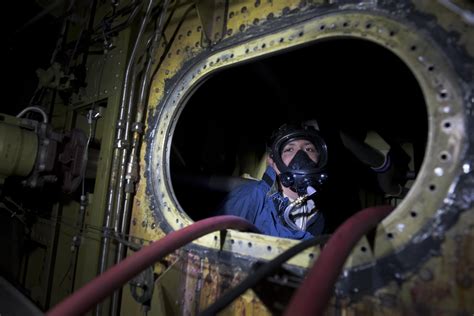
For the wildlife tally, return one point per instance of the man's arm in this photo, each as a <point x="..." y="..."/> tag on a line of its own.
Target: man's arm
<point x="242" y="201"/>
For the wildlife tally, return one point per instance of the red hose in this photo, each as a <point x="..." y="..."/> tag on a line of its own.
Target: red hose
<point x="105" y="284"/>
<point x="313" y="295"/>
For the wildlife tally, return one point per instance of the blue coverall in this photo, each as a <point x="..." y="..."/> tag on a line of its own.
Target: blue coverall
<point x="261" y="204"/>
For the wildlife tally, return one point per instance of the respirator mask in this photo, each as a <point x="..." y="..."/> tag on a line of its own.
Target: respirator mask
<point x="301" y="172"/>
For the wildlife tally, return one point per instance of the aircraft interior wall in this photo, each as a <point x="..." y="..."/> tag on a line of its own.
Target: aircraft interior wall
<point x="126" y="124"/>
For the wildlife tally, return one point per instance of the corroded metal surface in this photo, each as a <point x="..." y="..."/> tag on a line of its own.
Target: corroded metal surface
<point x="420" y="263"/>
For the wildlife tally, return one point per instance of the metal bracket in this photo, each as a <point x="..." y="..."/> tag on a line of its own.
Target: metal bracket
<point x="213" y="16"/>
<point x="142" y="286"/>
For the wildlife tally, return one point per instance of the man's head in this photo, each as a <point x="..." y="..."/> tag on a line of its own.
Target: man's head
<point x="299" y="155"/>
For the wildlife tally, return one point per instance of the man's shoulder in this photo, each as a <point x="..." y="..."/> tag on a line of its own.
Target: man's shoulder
<point x="246" y="200"/>
<point x="259" y="185"/>
<point x="253" y="186"/>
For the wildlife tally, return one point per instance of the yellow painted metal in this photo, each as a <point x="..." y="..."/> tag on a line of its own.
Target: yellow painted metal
<point x="167" y="294"/>
<point x="18" y="149"/>
<point x="444" y="283"/>
<point x="451" y="20"/>
<point x="244" y="18"/>
<point x="190" y="280"/>
<point x="384" y="31"/>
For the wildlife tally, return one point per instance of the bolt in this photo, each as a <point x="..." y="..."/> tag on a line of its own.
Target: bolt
<point x="398" y="276"/>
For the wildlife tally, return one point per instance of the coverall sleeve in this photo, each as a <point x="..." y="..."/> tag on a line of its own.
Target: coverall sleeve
<point x="244" y="201"/>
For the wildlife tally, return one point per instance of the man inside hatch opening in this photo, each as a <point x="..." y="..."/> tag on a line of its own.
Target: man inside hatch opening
<point x="285" y="202"/>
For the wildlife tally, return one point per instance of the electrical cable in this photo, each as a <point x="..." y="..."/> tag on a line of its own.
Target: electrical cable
<point x="312" y="296"/>
<point x="262" y="272"/>
<point x="97" y="231"/>
<point x="34" y="109"/>
<point x="95" y="291"/>
<point x="173" y="36"/>
<point x="105" y="29"/>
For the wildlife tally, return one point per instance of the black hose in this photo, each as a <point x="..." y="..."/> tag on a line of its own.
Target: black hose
<point x="264" y="271"/>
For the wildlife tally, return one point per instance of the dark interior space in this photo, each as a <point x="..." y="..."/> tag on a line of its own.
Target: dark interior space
<point x="347" y="84"/>
<point x="31" y="37"/>
<point x="31" y="40"/>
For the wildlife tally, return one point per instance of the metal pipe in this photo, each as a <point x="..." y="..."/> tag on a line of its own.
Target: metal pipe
<point x="314" y="293"/>
<point x="131" y="168"/>
<point x="120" y="149"/>
<point x="120" y="144"/>
<point x="121" y="219"/>
<point x="118" y="217"/>
<point x="93" y="292"/>
<point x="131" y="175"/>
<point x="123" y="157"/>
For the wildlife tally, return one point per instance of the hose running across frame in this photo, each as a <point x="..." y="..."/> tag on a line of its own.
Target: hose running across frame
<point x="262" y="272"/>
<point x="103" y="285"/>
<point x="313" y="295"/>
